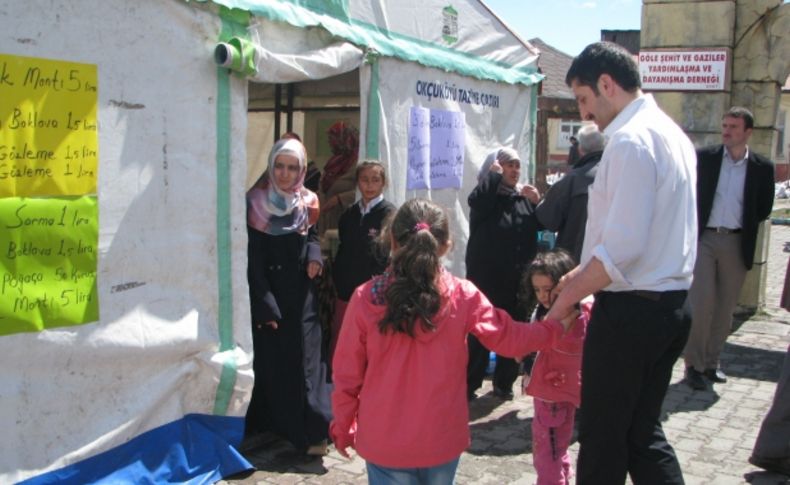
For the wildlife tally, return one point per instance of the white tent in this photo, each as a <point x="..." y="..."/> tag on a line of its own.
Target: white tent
<point x="445" y="64"/>
<point x="124" y="317"/>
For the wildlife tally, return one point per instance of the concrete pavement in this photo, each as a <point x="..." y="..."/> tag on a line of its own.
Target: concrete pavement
<point x="712" y="431"/>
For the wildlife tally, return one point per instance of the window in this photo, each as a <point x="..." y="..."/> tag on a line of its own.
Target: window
<point x="568" y="128"/>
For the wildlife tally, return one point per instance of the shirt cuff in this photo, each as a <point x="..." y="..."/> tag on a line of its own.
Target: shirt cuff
<point x="599" y="252"/>
<point x="314" y="253"/>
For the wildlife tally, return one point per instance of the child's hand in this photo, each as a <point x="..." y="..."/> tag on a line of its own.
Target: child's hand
<point x="341" y="440"/>
<point x="341" y="448"/>
<point x="313" y="269"/>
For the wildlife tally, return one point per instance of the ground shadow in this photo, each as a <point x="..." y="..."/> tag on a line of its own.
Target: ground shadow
<point x="507" y="435"/>
<point x="741" y="316"/>
<point x="241" y="475"/>
<point x="739" y="362"/>
<point x="766" y="478"/>
<point x="483" y="405"/>
<point x="681" y="398"/>
<point x="752" y="363"/>
<point x="279" y="456"/>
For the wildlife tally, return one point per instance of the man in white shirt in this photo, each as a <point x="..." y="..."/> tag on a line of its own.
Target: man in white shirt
<point x="637" y="258"/>
<point x="735" y="188"/>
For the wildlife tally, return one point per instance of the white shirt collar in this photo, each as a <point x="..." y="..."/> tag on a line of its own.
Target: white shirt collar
<point x="373" y="203"/>
<point x="642" y="101"/>
<point x="739" y="162"/>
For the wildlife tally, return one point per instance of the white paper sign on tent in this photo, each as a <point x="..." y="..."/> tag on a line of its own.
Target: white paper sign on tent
<point x="419" y="148"/>
<point x="447" y="148"/>
<point x="436" y="148"/>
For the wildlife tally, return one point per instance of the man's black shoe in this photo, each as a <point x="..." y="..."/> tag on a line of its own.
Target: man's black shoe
<point x="776" y="465"/>
<point x="716" y="375"/>
<point x="503" y="394"/>
<point x="695" y="380"/>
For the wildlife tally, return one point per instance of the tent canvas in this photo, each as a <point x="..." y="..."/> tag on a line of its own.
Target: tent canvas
<point x="406" y="61"/>
<point x="149" y="372"/>
<point x="158" y="385"/>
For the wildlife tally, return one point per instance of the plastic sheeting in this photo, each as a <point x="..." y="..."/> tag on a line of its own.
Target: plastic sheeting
<point x="464" y="38"/>
<point x="286" y="54"/>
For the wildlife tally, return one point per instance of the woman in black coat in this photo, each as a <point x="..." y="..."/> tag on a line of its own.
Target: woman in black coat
<point x="503" y="233"/>
<point x="291" y="396"/>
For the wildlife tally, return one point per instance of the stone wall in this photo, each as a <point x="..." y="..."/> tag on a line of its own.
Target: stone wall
<point x="757" y="35"/>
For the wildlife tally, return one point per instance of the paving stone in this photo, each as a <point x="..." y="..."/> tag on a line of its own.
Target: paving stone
<point x="712" y="431"/>
<point x="695" y="480"/>
<point x="687" y="444"/>
<point x="731" y="434"/>
<point x="355" y="466"/>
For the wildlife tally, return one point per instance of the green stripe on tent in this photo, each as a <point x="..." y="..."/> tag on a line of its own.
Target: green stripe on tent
<point x="533" y="122"/>
<point x="387" y="43"/>
<point x="227" y="381"/>
<point x="374" y="110"/>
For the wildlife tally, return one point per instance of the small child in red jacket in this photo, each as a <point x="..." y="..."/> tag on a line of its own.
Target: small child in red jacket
<point x="400" y="363"/>
<point x="555" y="379"/>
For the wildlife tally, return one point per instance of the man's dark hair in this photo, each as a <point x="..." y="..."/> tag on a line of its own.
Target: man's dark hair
<point x="604" y="58"/>
<point x="742" y="113"/>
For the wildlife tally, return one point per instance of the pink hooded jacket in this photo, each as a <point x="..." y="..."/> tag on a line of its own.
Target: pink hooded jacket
<point x="401" y="400"/>
<point x="557" y="373"/>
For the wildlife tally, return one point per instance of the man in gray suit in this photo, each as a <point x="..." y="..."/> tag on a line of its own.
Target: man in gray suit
<point x="735" y="192"/>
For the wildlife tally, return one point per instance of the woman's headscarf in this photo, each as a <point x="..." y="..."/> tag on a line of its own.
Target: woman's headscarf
<point x="502" y="154"/>
<point x="486" y="167"/>
<point x="344" y="143"/>
<point x="276" y="211"/>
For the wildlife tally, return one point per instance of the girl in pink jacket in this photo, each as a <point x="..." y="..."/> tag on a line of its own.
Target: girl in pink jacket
<point x="555" y="379"/>
<point x="400" y="362"/>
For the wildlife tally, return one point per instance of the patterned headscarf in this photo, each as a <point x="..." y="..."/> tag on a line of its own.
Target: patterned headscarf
<point x="344" y="143"/>
<point x="276" y="211"/>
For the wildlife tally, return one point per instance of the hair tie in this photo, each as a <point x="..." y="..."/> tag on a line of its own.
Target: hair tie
<point x="420" y="226"/>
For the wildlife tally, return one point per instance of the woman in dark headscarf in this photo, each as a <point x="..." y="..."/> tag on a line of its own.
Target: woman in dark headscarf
<point x="291" y="393"/>
<point x="503" y="239"/>
<point x="338" y="182"/>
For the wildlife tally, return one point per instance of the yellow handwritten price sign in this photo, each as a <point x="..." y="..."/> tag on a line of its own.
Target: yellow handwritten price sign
<point x="48" y="261"/>
<point x="48" y="127"/>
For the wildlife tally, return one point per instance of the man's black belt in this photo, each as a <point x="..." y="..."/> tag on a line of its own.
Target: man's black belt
<point x="723" y="230"/>
<point x="649" y="295"/>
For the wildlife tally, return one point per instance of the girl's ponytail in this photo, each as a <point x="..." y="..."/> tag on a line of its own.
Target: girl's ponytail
<point x="420" y="232"/>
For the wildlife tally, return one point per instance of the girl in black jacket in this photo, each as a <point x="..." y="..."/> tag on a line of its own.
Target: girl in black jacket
<point x="359" y="257"/>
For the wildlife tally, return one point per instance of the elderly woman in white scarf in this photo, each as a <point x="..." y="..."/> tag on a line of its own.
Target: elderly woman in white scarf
<point x="291" y="393"/>
<point x="503" y="233"/>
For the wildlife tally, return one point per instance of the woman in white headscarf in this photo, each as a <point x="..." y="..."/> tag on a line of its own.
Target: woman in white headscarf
<point x="292" y="389"/>
<point x="503" y="233"/>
